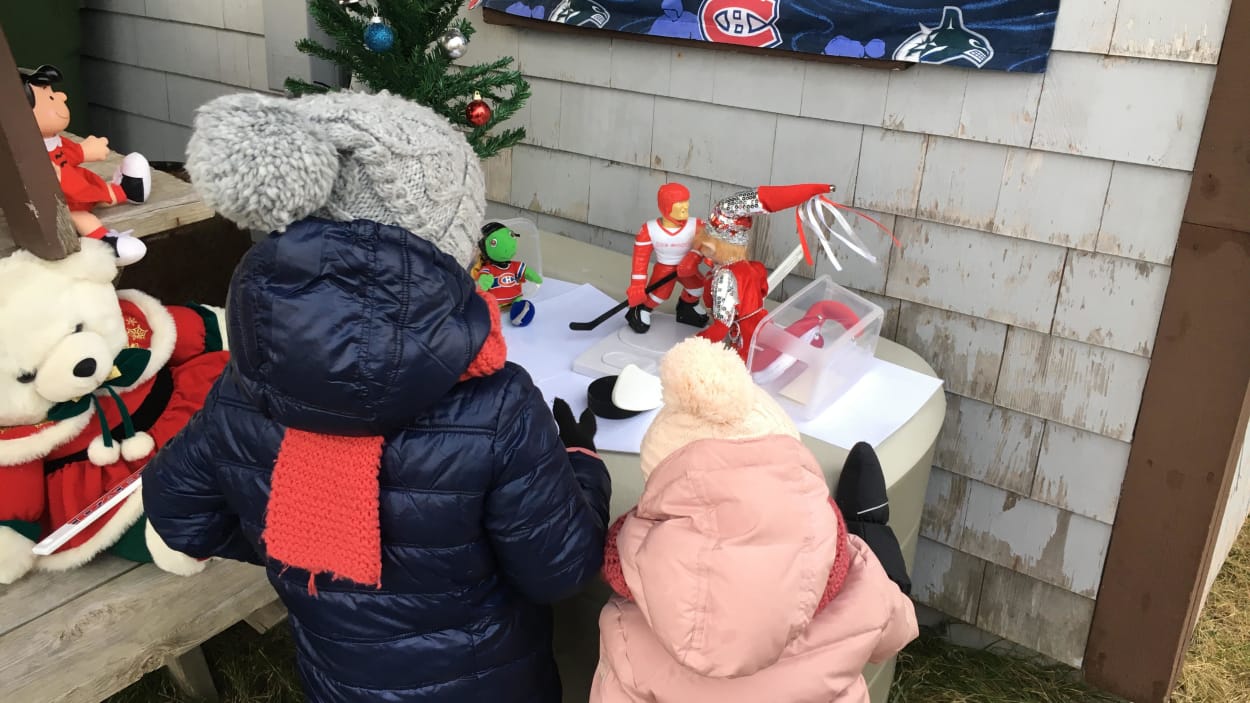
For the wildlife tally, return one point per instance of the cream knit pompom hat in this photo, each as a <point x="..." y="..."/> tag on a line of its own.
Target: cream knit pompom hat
<point x="708" y="394"/>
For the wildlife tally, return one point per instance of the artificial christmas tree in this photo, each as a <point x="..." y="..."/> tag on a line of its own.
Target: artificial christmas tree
<point x="408" y="47"/>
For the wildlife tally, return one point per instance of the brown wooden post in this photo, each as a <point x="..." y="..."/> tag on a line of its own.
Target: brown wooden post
<point x="34" y="214"/>
<point x="1193" y="413"/>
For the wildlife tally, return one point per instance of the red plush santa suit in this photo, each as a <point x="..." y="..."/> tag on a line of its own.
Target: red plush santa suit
<point x="83" y="189"/>
<point x="671" y="249"/>
<point x="44" y="468"/>
<point x="750" y="285"/>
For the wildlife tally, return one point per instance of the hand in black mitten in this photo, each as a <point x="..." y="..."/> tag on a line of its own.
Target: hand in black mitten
<point x="574" y="433"/>
<point x="861" y="497"/>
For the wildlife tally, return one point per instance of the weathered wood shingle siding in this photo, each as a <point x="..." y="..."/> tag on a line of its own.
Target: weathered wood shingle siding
<point x="1038" y="214"/>
<point x="151" y="63"/>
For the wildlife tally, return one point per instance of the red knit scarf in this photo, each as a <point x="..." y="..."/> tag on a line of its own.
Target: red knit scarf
<point x="615" y="576"/>
<point x="323" y="514"/>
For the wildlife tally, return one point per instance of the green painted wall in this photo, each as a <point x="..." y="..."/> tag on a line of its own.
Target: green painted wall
<point x="49" y="31"/>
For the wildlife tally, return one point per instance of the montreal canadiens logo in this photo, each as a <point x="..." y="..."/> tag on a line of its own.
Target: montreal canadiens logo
<point x="742" y="22"/>
<point x="508" y="279"/>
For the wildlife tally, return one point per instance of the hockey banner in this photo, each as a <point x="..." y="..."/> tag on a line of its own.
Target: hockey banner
<point x="1000" y="35"/>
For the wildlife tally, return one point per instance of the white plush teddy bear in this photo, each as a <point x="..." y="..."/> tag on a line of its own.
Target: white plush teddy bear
<point x="92" y="382"/>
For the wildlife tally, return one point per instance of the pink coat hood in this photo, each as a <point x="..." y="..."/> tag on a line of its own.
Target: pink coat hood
<point x="726" y="558"/>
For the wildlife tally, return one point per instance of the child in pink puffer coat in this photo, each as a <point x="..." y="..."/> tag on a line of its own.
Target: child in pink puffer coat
<point x="736" y="578"/>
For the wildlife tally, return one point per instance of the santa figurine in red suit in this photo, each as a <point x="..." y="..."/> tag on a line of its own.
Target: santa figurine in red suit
<point x="736" y="286"/>
<point x="93" y="381"/>
<point x="669" y="239"/>
<point x="84" y="190"/>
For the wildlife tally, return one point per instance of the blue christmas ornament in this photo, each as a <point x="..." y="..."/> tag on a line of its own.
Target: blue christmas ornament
<point x="379" y="36"/>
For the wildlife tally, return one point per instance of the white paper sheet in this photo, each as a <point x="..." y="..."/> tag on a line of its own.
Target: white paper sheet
<point x="870" y="411"/>
<point x="546" y="347"/>
<point x="877" y="406"/>
<point x="612" y="435"/>
<point x="551" y="288"/>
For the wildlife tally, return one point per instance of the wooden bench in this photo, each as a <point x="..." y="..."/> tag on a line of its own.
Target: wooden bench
<point x="82" y="635"/>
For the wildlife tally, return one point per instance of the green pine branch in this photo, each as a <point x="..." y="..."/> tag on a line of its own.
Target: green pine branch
<point x="416" y="66"/>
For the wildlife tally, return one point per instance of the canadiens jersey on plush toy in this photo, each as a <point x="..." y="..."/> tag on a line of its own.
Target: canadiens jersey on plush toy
<point x="54" y="469"/>
<point x="509" y="279"/>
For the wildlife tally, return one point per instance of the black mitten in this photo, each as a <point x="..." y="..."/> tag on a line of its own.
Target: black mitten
<point x="861" y="497"/>
<point x="574" y="433"/>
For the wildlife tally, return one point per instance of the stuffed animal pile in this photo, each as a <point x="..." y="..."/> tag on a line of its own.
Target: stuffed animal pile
<point x="92" y="382"/>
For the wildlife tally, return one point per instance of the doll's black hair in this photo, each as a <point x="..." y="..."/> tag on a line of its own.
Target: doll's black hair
<point x="43" y="76"/>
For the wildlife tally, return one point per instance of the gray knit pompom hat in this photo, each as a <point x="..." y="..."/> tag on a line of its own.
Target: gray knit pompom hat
<point x="265" y="162"/>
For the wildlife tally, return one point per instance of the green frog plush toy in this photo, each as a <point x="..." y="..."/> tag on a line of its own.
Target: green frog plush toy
<point x="498" y="274"/>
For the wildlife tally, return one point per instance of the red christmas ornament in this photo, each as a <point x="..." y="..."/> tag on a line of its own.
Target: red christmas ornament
<point x="478" y="112"/>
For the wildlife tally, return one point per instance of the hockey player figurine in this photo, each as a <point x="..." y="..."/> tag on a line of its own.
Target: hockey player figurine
<point x="737" y="287"/>
<point x="670" y="238"/>
<point x="497" y="273"/>
<point x="83" y="189"/>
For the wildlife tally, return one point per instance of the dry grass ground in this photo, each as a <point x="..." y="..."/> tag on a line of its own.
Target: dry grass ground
<point x="250" y="668"/>
<point x="1217" y="668"/>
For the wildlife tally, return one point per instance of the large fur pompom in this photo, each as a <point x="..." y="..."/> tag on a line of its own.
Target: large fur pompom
<point x="707" y="380"/>
<point x="259" y="163"/>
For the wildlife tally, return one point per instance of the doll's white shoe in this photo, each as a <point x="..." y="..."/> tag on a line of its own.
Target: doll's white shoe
<point x="135" y="177"/>
<point x="129" y="249"/>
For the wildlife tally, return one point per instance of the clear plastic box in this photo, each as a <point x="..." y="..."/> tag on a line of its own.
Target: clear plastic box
<point x="814" y="346"/>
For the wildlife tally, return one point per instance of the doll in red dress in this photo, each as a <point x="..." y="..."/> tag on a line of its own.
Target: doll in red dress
<point x="83" y="189"/>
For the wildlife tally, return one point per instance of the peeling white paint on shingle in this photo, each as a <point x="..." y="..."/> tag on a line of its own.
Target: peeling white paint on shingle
<point x="890" y="166"/>
<point x="1085" y="26"/>
<point x="945" y="506"/>
<point x="1081" y="472"/>
<point x="1086" y="101"/>
<point x="927" y="99"/>
<point x="1092" y="388"/>
<point x="1040" y="616"/>
<point x="1142" y="215"/>
<point x="992" y="445"/>
<point x="1165" y="29"/>
<point x="1008" y="280"/>
<point x="965" y="351"/>
<point x="1039" y="540"/>
<point x="1052" y="198"/>
<point x="961" y="182"/>
<point x="1000" y="107"/>
<point x="947" y="579"/>
<point x="1111" y="302"/>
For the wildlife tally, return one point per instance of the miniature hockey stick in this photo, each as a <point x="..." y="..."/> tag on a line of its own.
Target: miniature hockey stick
<point x="586" y="326"/>
<point x="89" y="515"/>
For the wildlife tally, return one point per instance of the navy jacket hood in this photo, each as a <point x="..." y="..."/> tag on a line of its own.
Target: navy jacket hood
<point x="375" y="312"/>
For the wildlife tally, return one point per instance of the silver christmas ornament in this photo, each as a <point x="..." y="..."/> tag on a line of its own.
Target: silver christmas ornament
<point x="454" y="43"/>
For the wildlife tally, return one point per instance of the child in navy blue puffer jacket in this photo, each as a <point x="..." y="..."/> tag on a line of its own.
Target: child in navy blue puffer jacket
<point x="415" y="502"/>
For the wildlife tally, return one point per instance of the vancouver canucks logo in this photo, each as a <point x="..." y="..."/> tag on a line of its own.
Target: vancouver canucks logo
<point x="947" y="42"/>
<point x="580" y="13"/>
